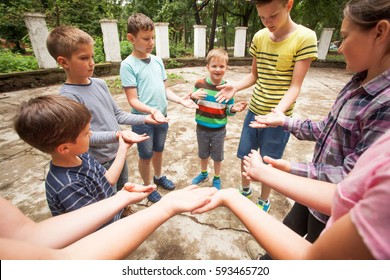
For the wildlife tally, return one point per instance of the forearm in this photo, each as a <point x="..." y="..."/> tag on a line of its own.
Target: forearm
<point x="312" y="193"/>
<point x="171" y="96"/>
<point x="121" y="238"/>
<point x="62" y="230"/>
<point x="115" y="170"/>
<point x="276" y="238"/>
<point x="103" y="137"/>
<point x="248" y="81"/>
<point x="288" y="99"/>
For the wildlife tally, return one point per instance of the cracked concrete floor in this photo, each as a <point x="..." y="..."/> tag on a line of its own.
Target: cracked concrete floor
<point x="217" y="235"/>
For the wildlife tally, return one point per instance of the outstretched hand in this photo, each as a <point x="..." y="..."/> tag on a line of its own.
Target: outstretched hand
<point x="158" y="117"/>
<point x="136" y="192"/>
<point x="239" y="106"/>
<point x="199" y="94"/>
<point x="273" y="119"/>
<point x="132" y="137"/>
<point x="226" y="92"/>
<point x="187" y="199"/>
<point x="218" y="199"/>
<point x="253" y="166"/>
<point x="186" y="101"/>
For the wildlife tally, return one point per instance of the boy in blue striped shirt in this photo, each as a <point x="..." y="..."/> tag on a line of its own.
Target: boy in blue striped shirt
<point x="60" y="127"/>
<point x="211" y="116"/>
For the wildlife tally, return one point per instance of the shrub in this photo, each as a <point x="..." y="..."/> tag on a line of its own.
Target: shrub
<point x="14" y="62"/>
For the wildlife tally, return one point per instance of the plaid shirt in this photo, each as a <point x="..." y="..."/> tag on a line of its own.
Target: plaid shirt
<point x="359" y="116"/>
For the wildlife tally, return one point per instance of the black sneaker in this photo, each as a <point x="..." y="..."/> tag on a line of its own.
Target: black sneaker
<point x="164" y="182"/>
<point x="154" y="197"/>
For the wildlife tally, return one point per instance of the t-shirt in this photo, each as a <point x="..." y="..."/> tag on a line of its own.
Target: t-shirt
<point x="71" y="188"/>
<point x="275" y="66"/>
<point x="365" y="193"/>
<point x="148" y="77"/>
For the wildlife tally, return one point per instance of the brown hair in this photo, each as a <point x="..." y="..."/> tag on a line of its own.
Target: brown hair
<point x="137" y="22"/>
<point x="65" y="40"/>
<point x="367" y="13"/>
<point x="217" y="53"/>
<point x="46" y="122"/>
<point x="263" y="2"/>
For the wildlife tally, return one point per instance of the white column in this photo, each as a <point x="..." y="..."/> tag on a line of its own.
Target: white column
<point x="323" y="47"/>
<point x="162" y="39"/>
<point x="37" y="31"/>
<point x="199" y="41"/>
<point x="240" y="41"/>
<point x="112" y="48"/>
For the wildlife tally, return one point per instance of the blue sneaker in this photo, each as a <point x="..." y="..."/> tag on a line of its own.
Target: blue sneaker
<point x="164" y="182"/>
<point x="265" y="205"/>
<point x="247" y="194"/>
<point x="217" y="183"/>
<point x="199" y="179"/>
<point x="154" y="197"/>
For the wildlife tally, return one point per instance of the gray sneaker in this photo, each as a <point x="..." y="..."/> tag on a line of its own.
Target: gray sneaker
<point x="254" y="250"/>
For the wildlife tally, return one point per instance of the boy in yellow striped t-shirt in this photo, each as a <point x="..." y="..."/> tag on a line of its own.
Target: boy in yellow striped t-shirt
<point x="282" y="54"/>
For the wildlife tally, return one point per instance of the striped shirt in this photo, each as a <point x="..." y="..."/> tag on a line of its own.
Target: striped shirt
<point x="210" y="113"/>
<point x="275" y="66"/>
<point x="70" y="188"/>
<point x="359" y="116"/>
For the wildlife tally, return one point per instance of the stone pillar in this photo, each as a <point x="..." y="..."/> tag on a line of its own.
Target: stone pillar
<point x="37" y="31"/>
<point x="112" y="48"/>
<point x="323" y="46"/>
<point x="199" y="41"/>
<point x="162" y="39"/>
<point x="240" y="41"/>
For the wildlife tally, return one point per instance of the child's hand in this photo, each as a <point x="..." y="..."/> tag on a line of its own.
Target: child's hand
<point x="273" y="119"/>
<point x="199" y="94"/>
<point x="187" y="102"/>
<point x="253" y="166"/>
<point x="218" y="199"/>
<point x="132" y="137"/>
<point x="239" y="106"/>
<point x="136" y="192"/>
<point x="280" y="164"/>
<point x="159" y="117"/>
<point x="187" y="199"/>
<point x="150" y="120"/>
<point x="226" y="92"/>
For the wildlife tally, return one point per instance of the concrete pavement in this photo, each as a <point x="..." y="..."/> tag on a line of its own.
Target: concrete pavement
<point x="217" y="235"/>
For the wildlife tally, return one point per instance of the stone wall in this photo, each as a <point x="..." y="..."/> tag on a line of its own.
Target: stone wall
<point x="46" y="77"/>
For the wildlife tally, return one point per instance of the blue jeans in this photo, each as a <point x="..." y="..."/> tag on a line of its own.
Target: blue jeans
<point x="156" y="142"/>
<point x="271" y="141"/>
<point x="123" y="178"/>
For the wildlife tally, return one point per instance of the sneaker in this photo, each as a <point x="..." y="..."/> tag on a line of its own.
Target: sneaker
<point x="164" y="182"/>
<point x="154" y="197"/>
<point x="254" y="250"/>
<point x="247" y="194"/>
<point x="265" y="205"/>
<point x="217" y="183"/>
<point x="199" y="179"/>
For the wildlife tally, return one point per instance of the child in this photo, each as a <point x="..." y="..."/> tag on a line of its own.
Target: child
<point x="359" y="116"/>
<point x="359" y="227"/>
<point x="72" y="48"/>
<point x="211" y="117"/>
<point x="143" y="79"/>
<point x="73" y="235"/>
<point x="282" y="54"/>
<point x="60" y="127"/>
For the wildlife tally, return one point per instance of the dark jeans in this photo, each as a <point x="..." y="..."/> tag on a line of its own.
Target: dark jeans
<point x="300" y="220"/>
<point x="123" y="178"/>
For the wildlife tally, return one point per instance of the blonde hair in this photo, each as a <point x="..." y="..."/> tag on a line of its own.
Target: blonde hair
<point x="65" y="40"/>
<point x="217" y="53"/>
<point x="367" y="13"/>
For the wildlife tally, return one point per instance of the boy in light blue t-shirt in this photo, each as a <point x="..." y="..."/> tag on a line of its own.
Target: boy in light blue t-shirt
<point x="143" y="79"/>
